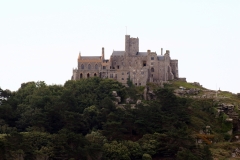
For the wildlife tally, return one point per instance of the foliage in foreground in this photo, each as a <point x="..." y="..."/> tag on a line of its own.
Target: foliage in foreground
<point x="80" y="121"/>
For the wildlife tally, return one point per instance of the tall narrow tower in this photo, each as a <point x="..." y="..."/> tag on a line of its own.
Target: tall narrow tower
<point x="131" y="45"/>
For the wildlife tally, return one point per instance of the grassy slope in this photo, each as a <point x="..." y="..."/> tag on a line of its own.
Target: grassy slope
<point x="222" y="149"/>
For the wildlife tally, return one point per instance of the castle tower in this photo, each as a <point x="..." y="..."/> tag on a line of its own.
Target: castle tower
<point x="131" y="45"/>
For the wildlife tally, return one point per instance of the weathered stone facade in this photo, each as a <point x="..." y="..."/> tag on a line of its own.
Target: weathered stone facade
<point x="140" y="67"/>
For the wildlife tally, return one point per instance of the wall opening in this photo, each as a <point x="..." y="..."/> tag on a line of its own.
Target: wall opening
<point x="81" y="75"/>
<point x="144" y="63"/>
<point x="152" y="69"/>
<point x="88" y="75"/>
<point x="95" y="74"/>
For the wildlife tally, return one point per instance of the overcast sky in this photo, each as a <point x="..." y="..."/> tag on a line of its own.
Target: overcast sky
<point x="41" y="40"/>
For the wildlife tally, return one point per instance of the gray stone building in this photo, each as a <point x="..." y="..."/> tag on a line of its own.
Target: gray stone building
<point x="140" y="67"/>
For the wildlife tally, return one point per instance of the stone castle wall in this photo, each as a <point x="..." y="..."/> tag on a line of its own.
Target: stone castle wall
<point x="140" y="67"/>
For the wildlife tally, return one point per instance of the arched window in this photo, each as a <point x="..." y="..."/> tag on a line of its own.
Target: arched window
<point x="81" y="75"/>
<point x="95" y="74"/>
<point x="152" y="69"/>
<point x="88" y="75"/>
<point x="82" y="66"/>
<point x="89" y="66"/>
<point x="96" y="66"/>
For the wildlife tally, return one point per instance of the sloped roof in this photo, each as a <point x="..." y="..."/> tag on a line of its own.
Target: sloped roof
<point x="118" y="53"/>
<point x="141" y="53"/>
<point x="160" y="57"/>
<point x="90" y="57"/>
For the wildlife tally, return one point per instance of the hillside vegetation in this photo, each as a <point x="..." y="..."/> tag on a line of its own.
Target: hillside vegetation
<point x="85" y="120"/>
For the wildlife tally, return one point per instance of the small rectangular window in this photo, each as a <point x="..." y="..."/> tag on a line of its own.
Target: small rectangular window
<point x="152" y="58"/>
<point x="144" y="63"/>
<point x="104" y="67"/>
<point x="122" y="78"/>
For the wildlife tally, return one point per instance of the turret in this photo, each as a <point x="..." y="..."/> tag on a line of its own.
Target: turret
<point x="168" y="52"/>
<point x="148" y="51"/>
<point x="79" y="56"/>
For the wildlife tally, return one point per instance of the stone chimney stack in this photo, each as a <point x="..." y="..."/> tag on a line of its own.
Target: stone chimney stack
<point x="103" y="53"/>
<point x="161" y="51"/>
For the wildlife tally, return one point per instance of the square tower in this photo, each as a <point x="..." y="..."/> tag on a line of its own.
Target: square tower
<point x="131" y="45"/>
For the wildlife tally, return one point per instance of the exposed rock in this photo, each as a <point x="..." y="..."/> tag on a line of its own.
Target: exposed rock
<point x="115" y="102"/>
<point x="129" y="100"/>
<point x="145" y="93"/>
<point x="139" y="101"/>
<point x="118" y="99"/>
<point x="114" y="93"/>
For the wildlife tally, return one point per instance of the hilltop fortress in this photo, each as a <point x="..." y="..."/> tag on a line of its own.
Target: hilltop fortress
<point x="140" y="67"/>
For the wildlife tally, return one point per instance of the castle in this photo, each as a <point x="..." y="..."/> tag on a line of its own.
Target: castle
<point x="140" y="67"/>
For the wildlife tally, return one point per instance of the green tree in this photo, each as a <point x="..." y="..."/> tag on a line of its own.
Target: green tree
<point x="115" y="150"/>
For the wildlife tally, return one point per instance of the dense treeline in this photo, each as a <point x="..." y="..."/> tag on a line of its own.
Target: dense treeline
<point x="80" y="121"/>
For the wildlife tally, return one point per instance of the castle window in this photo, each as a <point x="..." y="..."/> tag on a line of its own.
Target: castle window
<point x="152" y="58"/>
<point x="88" y="75"/>
<point x="122" y="78"/>
<point x="96" y="66"/>
<point x="95" y="74"/>
<point x="144" y="63"/>
<point x="82" y="66"/>
<point x="104" y="67"/>
<point x="117" y="67"/>
<point x="81" y="75"/>
<point x="111" y="75"/>
<point x="89" y="66"/>
<point x="123" y="73"/>
<point x="139" y="84"/>
<point x="152" y="69"/>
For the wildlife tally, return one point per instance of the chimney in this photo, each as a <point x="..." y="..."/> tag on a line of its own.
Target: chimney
<point x="103" y="53"/>
<point x="161" y="51"/>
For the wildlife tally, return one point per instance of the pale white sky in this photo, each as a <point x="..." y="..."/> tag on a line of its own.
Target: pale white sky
<point x="40" y="40"/>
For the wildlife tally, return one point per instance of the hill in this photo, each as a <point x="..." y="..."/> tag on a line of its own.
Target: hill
<point x="102" y="119"/>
